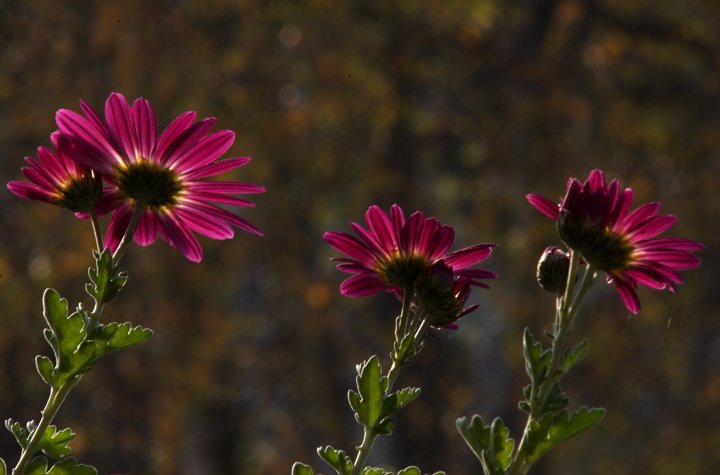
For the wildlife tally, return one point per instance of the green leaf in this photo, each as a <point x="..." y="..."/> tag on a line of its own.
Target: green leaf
<point x="117" y="336"/>
<point x="573" y="356"/>
<point x="3" y="467"/>
<point x="54" y="444"/>
<point x="18" y="431"/>
<point x="301" y="469"/>
<point x="37" y="466"/>
<point x="556" y="399"/>
<point x="368" y="402"/>
<point x="412" y="470"/>
<point x="74" y="355"/>
<point x="337" y="459"/>
<point x="106" y="280"/>
<point x="70" y="466"/>
<point x="550" y="430"/>
<point x="537" y="360"/>
<point x="45" y="369"/>
<point x="373" y="471"/>
<point x="490" y="444"/>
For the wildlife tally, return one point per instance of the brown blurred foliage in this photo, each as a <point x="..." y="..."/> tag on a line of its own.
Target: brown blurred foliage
<point x="458" y="108"/>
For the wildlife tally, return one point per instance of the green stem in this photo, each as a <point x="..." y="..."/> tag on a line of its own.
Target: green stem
<point x="55" y="400"/>
<point x="564" y="317"/>
<point x="97" y="232"/>
<point x="404" y="326"/>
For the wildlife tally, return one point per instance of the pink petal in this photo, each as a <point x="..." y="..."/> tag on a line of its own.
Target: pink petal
<point x="216" y="168"/>
<point x="545" y="206"/>
<point x="362" y="285"/>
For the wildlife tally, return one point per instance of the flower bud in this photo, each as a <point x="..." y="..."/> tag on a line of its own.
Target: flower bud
<point x="552" y="269"/>
<point x="439" y="294"/>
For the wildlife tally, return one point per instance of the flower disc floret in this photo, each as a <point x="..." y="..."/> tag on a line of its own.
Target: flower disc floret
<point x="593" y="220"/>
<point x="148" y="183"/>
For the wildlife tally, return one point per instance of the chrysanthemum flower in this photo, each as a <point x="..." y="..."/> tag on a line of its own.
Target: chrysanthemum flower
<point x="59" y="180"/>
<point x="159" y="174"/>
<point x="393" y="252"/>
<point x="593" y="220"/>
<point x="441" y="296"/>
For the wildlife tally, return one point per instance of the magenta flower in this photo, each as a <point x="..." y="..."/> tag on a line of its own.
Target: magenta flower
<point x="442" y="296"/>
<point x="160" y="175"/>
<point x="393" y="252"/>
<point x="59" y="180"/>
<point x="593" y="220"/>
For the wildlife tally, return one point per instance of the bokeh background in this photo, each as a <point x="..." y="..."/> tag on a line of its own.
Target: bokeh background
<point x="458" y="108"/>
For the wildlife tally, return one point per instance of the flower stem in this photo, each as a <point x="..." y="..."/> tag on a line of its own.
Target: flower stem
<point x="97" y="232"/>
<point x="564" y="317"/>
<point x="55" y="399"/>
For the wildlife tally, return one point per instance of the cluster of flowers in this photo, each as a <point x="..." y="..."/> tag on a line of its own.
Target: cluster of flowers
<point x="152" y="183"/>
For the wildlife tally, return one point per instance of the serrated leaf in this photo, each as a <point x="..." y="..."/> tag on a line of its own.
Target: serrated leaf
<point x="412" y="470"/>
<point x="372" y="386"/>
<point x="106" y="280"/>
<point x="499" y="454"/>
<point x="475" y="434"/>
<point x="372" y="471"/>
<point x="45" y="369"/>
<point x="573" y="356"/>
<point x="54" y="443"/>
<point x="18" y="431"/>
<point x="70" y="466"/>
<point x="405" y="396"/>
<point x="37" y="466"/>
<point x="301" y="469"/>
<point x="551" y="430"/>
<point x="337" y="459"/>
<point x="115" y="336"/>
<point x="537" y="360"/>
<point x="556" y="399"/>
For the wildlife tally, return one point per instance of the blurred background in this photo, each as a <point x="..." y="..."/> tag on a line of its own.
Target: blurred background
<point x="456" y="108"/>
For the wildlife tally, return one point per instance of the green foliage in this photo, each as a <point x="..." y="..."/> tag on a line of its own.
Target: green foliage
<point x="68" y="466"/>
<point x="106" y="280"/>
<point x="573" y="356"/>
<point x="301" y="469"/>
<point x="537" y="360"/>
<point x="74" y="354"/>
<point x="337" y="459"/>
<point x="117" y="336"/>
<point x="372" y="405"/>
<point x="551" y="429"/>
<point x="3" y="467"/>
<point x="490" y="444"/>
<point x="53" y="442"/>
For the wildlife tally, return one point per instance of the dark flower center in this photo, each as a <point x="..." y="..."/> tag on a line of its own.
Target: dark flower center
<point x="81" y="193"/>
<point x="401" y="271"/>
<point x="150" y="184"/>
<point x="604" y="249"/>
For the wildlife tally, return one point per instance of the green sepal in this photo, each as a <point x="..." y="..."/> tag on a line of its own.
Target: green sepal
<point x="74" y="354"/>
<point x="490" y="444"/>
<point x="117" y="336"/>
<point x="106" y="280"/>
<point x="54" y="443"/>
<point x="537" y="360"/>
<point x="337" y="459"/>
<point x="301" y="469"/>
<point x="572" y="356"/>
<point x="550" y="430"/>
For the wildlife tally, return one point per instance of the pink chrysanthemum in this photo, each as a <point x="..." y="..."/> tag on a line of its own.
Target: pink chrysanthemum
<point x="593" y="220"/>
<point x="393" y="252"/>
<point x="59" y="180"/>
<point x="160" y="174"/>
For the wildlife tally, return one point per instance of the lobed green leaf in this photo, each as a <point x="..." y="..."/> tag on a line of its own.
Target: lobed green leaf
<point x="45" y="369"/>
<point x="117" y="336"/>
<point x="573" y="356"/>
<point x="54" y="443"/>
<point x="37" y="466"/>
<point x="550" y="429"/>
<point x="373" y="471"/>
<point x="70" y="466"/>
<point x="301" y="469"/>
<point x="537" y="360"/>
<point x="412" y="470"/>
<point x="337" y="459"/>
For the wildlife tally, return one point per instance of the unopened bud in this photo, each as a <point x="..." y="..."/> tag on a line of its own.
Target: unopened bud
<point x="552" y="270"/>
